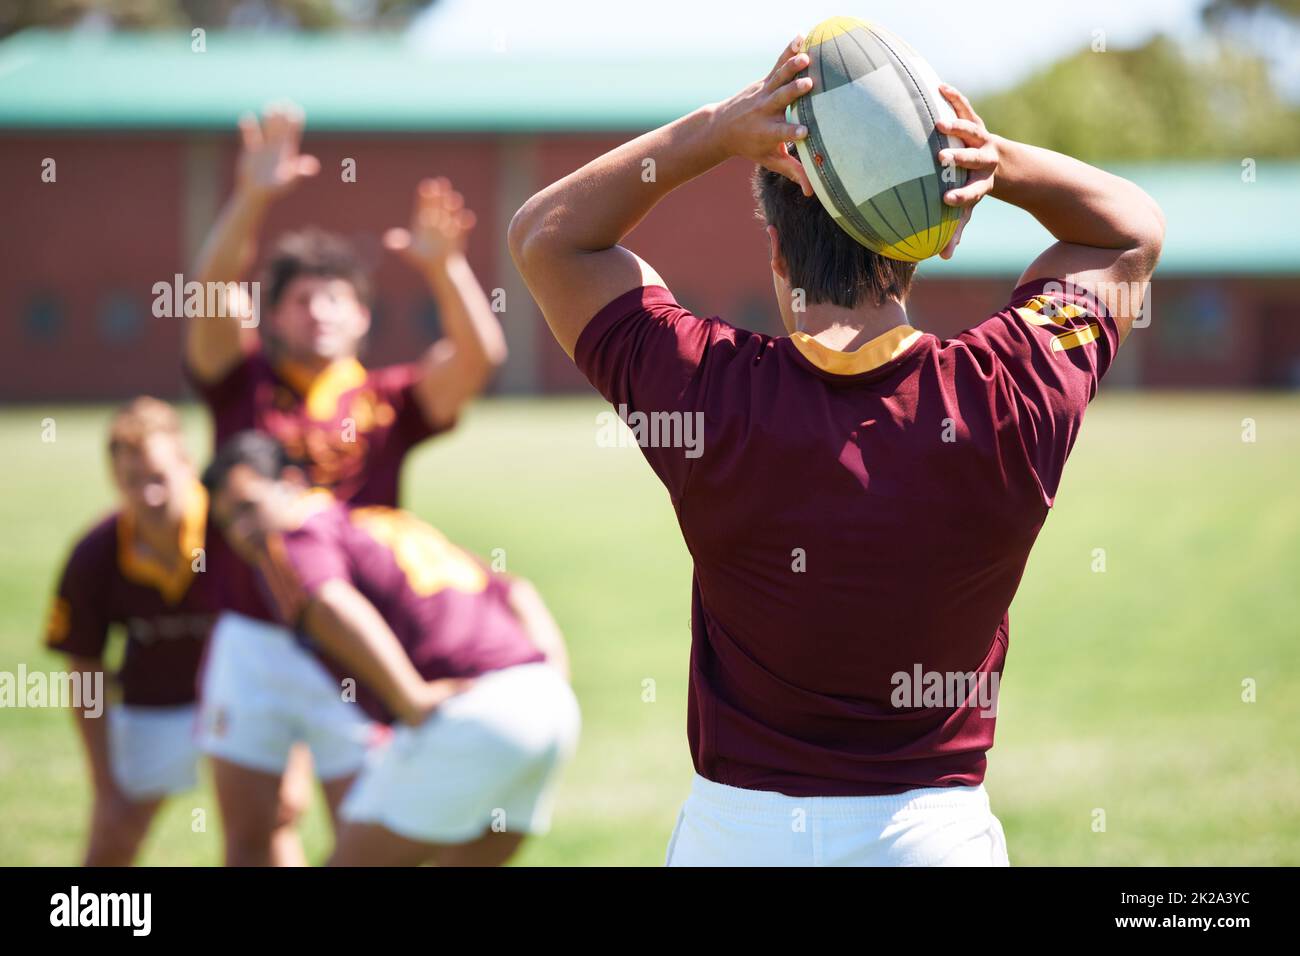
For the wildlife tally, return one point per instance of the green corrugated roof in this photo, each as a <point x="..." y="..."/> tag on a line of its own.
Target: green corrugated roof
<point x="344" y="81"/>
<point x="378" y="83"/>
<point x="1216" y="224"/>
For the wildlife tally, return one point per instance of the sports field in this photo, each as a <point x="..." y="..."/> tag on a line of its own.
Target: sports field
<point x="1123" y="689"/>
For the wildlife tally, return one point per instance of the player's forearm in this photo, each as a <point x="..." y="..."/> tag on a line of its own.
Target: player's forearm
<point x="231" y="244"/>
<point x="93" y="730"/>
<point x="351" y="630"/>
<point x="540" y="626"/>
<point x="1076" y="202"/>
<point x="593" y="208"/>
<point x="468" y="321"/>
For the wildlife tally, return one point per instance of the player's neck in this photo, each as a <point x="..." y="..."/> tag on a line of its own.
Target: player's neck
<point x="845" y="329"/>
<point x="158" y="539"/>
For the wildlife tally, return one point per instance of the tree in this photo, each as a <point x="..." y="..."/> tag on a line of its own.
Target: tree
<point x="1152" y="102"/>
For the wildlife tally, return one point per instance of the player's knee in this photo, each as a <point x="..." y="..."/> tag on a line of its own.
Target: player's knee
<point x="289" y="810"/>
<point x="249" y="837"/>
<point x="116" y="834"/>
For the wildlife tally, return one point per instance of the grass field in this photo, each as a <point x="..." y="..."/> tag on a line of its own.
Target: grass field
<point x="1123" y="689"/>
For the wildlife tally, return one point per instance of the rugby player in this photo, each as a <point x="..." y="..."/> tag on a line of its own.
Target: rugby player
<point x="839" y="538"/>
<point x="286" y="362"/>
<point x="468" y="661"/>
<point x="140" y="569"/>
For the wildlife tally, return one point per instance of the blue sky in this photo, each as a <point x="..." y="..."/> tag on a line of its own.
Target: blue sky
<point x="979" y="46"/>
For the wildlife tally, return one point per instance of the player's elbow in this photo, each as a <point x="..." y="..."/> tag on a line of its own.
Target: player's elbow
<point x="1148" y="228"/>
<point x="523" y="235"/>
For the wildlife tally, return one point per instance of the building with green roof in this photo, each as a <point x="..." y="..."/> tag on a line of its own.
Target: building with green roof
<point x="117" y="150"/>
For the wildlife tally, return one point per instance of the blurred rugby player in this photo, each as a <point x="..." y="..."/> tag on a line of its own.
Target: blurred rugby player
<point x="469" y="662"/>
<point x="295" y="374"/>
<point x="140" y="569"/>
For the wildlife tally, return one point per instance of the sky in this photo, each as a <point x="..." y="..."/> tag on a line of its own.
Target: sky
<point x="978" y="46"/>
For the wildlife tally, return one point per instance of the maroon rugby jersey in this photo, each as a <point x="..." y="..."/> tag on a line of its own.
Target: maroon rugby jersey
<point x="451" y="614"/>
<point x="166" y="613"/>
<point x="852" y="517"/>
<point x="352" y="425"/>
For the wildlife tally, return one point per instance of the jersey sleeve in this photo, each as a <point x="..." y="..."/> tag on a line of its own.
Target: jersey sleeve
<point x="79" y="615"/>
<point x="395" y="386"/>
<point x="1052" y="344"/>
<point x="645" y="354"/>
<point x="297" y="564"/>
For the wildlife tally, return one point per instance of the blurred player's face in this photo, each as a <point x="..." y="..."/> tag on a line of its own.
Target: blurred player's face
<point x="319" y="319"/>
<point x="248" y="507"/>
<point x="154" y="481"/>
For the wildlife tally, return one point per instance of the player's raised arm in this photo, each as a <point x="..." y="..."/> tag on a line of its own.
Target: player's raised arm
<point x="269" y="165"/>
<point x="1109" y="232"/>
<point x="458" y="366"/>
<point x="565" y="240"/>
<point x="350" y="629"/>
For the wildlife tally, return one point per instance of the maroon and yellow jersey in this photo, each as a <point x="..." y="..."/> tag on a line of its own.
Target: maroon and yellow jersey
<point x="859" y="522"/>
<point x="352" y="427"/>
<point x="451" y="614"/>
<point x="166" y="612"/>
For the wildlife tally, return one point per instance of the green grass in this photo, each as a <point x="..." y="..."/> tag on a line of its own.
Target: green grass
<point x="1122" y="690"/>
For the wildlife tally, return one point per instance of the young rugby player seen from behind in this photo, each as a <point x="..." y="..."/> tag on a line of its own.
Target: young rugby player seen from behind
<point x="469" y="661"/>
<point x="839" y="540"/>
<point x="139" y="570"/>
<point x="295" y="374"/>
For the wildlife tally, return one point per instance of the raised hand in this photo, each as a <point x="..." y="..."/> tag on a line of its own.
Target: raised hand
<point x="979" y="155"/>
<point x="752" y="123"/>
<point x="270" y="163"/>
<point x="440" y="225"/>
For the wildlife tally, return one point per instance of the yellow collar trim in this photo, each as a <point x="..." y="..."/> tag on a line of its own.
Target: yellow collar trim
<point x="879" y="351"/>
<point x="321" y="390"/>
<point x="170" y="581"/>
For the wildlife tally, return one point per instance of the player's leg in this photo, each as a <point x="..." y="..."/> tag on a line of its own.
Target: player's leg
<point x="152" y="755"/>
<point x="118" y="827"/>
<point x="338" y="733"/>
<point x="254" y="831"/>
<point x="370" y="844"/>
<point x="248" y="727"/>
<point x="294" y="799"/>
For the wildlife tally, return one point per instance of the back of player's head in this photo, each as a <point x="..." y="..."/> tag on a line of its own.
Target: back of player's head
<point x="253" y="449"/>
<point x="139" y="420"/>
<point x="820" y="257"/>
<point x="314" y="252"/>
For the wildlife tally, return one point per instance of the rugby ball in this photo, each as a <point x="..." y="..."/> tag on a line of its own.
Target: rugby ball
<point x="872" y="148"/>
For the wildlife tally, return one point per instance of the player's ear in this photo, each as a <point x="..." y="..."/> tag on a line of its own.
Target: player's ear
<point x="774" y="247"/>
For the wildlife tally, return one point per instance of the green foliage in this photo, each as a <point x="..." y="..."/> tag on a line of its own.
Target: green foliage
<point x="209" y="14"/>
<point x="1152" y="102"/>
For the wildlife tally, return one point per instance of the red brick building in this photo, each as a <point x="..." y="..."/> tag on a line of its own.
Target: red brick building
<point x="116" y="153"/>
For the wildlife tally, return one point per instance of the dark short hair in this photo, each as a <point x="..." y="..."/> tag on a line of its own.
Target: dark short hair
<point x="313" y="252"/>
<point x="822" y="259"/>
<point x="258" y="450"/>
<point x="141" y="419"/>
